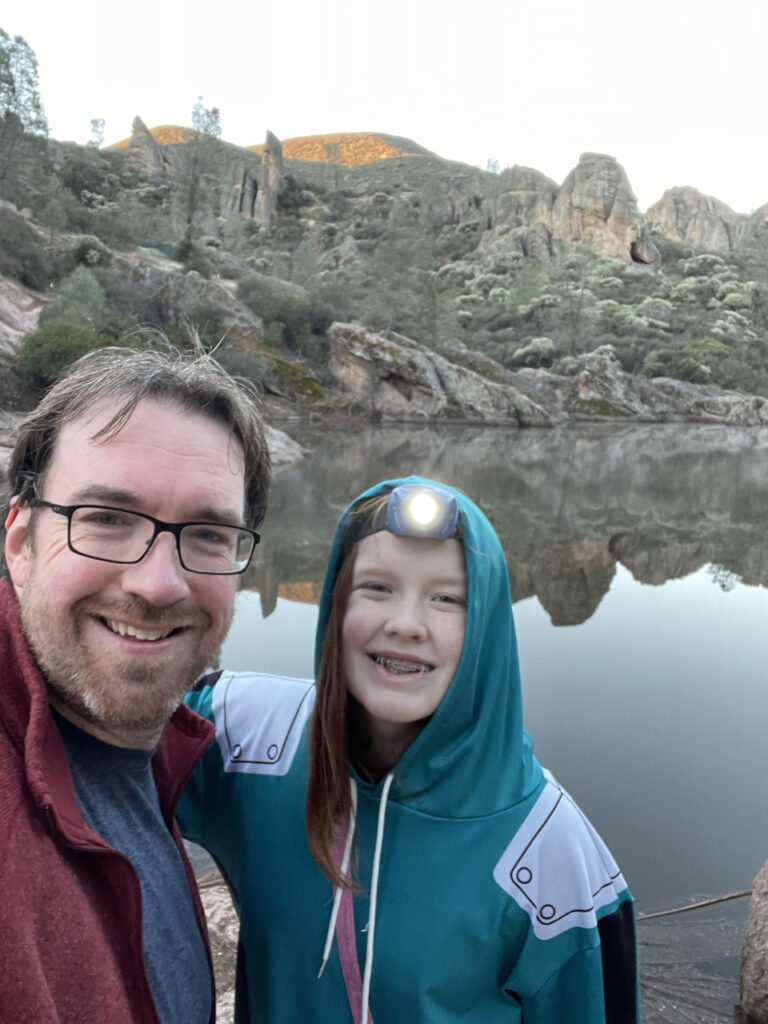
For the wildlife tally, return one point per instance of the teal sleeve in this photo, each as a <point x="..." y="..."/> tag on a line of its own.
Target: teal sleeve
<point x="191" y="811"/>
<point x="573" y="995"/>
<point x="595" y="985"/>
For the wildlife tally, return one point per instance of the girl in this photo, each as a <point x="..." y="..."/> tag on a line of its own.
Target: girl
<point x="436" y="852"/>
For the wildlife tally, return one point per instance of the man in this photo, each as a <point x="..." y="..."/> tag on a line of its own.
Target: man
<point x="137" y="485"/>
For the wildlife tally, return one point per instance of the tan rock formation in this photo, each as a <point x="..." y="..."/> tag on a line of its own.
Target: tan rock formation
<point x="145" y="151"/>
<point x="525" y="197"/>
<point x="19" y="314"/>
<point x="272" y="181"/>
<point x="595" y="207"/>
<point x="519" y="213"/>
<point x="240" y="189"/>
<point x="685" y="215"/>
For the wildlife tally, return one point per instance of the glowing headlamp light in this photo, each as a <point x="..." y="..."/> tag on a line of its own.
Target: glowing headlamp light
<point x="417" y="510"/>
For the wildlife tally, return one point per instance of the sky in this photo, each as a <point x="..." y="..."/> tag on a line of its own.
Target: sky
<point x="673" y="89"/>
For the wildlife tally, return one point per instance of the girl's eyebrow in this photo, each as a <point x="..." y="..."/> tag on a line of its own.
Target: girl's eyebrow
<point x="362" y="570"/>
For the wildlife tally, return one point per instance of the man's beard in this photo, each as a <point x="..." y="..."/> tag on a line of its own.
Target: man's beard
<point x="118" y="693"/>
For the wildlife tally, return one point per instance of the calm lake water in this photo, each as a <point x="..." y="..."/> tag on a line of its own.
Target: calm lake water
<point x="639" y="565"/>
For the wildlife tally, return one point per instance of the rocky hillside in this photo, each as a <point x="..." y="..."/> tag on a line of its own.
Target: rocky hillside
<point x="594" y="205"/>
<point x="368" y="277"/>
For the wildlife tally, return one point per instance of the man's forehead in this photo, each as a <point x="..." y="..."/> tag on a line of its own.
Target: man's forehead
<point x="97" y="418"/>
<point x="157" y="434"/>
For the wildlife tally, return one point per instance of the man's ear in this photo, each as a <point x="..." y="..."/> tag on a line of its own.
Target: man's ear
<point x="17" y="546"/>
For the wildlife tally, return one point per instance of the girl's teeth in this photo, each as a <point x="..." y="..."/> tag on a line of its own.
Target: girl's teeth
<point x="398" y="666"/>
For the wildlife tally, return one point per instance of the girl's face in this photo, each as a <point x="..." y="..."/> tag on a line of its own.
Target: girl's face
<point x="403" y="631"/>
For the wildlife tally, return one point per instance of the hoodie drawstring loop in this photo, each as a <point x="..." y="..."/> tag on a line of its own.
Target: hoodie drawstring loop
<point x="338" y="891"/>
<point x="368" y="973"/>
<point x="342" y="914"/>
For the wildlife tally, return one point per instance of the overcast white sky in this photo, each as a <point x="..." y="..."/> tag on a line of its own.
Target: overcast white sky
<point x="674" y="89"/>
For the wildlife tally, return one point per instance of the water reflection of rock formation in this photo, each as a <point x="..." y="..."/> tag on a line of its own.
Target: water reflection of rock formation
<point x="568" y="505"/>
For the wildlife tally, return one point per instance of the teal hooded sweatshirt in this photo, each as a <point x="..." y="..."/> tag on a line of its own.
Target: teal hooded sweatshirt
<point x="496" y="901"/>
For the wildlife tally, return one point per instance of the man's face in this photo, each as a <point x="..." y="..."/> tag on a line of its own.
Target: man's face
<point x="120" y="645"/>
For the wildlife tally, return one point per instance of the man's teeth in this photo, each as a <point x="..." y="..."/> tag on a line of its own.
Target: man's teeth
<point x="399" y="666"/>
<point x="139" y="634"/>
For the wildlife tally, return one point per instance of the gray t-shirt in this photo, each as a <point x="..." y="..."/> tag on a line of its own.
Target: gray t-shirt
<point x="118" y="797"/>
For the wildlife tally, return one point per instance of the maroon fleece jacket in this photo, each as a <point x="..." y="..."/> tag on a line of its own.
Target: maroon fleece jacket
<point x="70" y="906"/>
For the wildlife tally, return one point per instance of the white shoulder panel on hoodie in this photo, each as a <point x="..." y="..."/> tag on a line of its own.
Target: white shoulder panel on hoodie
<point x="259" y="720"/>
<point x="557" y="868"/>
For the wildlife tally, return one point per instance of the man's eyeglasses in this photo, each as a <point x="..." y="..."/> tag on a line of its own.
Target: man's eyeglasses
<point x="118" y="535"/>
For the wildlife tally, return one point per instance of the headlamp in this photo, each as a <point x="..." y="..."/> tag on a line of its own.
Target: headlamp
<point x="420" y="510"/>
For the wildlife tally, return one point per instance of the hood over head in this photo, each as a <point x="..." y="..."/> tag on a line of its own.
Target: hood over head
<point x="473" y="757"/>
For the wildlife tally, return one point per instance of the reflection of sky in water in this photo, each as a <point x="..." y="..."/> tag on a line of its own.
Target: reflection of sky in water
<point x="283" y="644"/>
<point x="653" y="713"/>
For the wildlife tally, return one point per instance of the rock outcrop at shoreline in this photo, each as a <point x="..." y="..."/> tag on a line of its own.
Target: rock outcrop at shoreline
<point x="388" y="377"/>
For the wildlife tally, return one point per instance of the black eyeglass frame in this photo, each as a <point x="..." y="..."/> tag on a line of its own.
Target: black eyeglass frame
<point x="160" y="526"/>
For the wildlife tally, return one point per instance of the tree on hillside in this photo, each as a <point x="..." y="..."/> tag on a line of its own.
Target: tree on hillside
<point x="97" y="132"/>
<point x="23" y="124"/>
<point x="199" y="173"/>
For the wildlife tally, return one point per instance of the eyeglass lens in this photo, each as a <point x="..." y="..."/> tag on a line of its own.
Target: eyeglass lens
<point x="120" y="536"/>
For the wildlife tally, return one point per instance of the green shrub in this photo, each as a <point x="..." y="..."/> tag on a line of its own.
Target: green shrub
<point x="244" y="364"/>
<point x="538" y="352"/>
<point x="320" y="317"/>
<point x="208" y="325"/>
<point x="81" y="301"/>
<point x="90" y="251"/>
<point x="47" y="353"/>
<point x="273" y="299"/>
<point x="192" y="257"/>
<point x="22" y="253"/>
<point x="274" y="333"/>
<point x="290" y="198"/>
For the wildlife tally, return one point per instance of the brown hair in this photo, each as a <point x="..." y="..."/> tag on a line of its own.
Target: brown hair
<point x="328" y="794"/>
<point x="123" y="377"/>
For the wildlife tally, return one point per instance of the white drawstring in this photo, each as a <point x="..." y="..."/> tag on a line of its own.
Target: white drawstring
<point x="370" y="928"/>
<point x="338" y="891"/>
<point x="374" y="895"/>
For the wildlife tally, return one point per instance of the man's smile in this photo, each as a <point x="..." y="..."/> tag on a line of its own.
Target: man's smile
<point x="124" y="629"/>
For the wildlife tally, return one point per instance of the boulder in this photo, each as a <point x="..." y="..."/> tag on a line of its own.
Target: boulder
<point x="390" y="377"/>
<point x="754" y="955"/>
<point x="602" y="390"/>
<point x="283" y="450"/>
<point x="705" y="403"/>
<point x="685" y="215"/>
<point x="176" y="294"/>
<point x="595" y="207"/>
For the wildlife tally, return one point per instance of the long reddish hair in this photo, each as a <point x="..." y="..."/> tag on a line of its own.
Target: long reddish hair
<point x="328" y="793"/>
